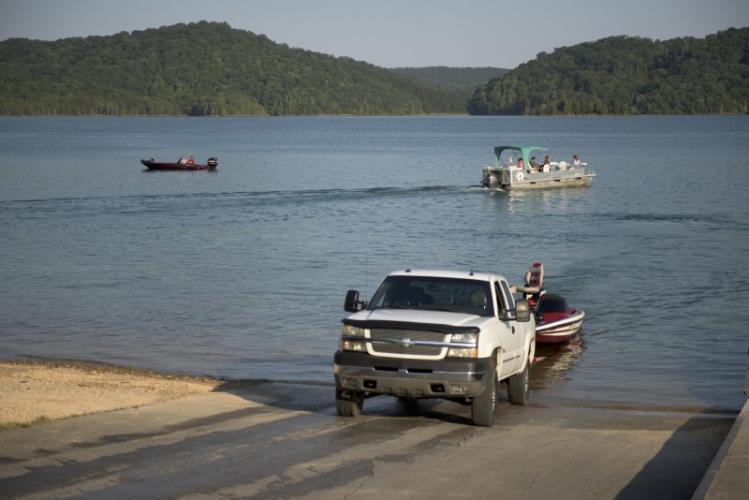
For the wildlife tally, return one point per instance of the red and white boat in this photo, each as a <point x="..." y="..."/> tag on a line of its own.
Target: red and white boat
<point x="556" y="322"/>
<point x="181" y="164"/>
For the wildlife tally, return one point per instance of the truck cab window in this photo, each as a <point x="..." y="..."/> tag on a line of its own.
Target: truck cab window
<point x="500" y="303"/>
<point x="508" y="295"/>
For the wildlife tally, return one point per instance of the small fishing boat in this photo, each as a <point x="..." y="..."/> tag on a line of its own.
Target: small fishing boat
<point x="556" y="322"/>
<point x="181" y="164"/>
<point x="530" y="167"/>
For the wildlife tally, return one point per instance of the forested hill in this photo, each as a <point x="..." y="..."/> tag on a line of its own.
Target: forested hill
<point x="452" y="78"/>
<point x="626" y="75"/>
<point x="200" y="69"/>
<point x="459" y="83"/>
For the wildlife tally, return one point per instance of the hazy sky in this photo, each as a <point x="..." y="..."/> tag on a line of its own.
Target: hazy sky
<point x="391" y="32"/>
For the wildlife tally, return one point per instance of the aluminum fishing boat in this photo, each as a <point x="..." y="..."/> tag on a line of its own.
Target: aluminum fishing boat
<point x="531" y="167"/>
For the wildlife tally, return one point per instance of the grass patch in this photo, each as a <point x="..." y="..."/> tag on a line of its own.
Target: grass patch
<point x="20" y="425"/>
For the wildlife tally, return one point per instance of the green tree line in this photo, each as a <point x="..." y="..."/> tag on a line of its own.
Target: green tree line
<point x="459" y="82"/>
<point x="627" y="75"/>
<point x="211" y="69"/>
<point x="201" y="68"/>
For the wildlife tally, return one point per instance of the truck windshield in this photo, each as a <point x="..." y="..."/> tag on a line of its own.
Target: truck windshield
<point x="434" y="294"/>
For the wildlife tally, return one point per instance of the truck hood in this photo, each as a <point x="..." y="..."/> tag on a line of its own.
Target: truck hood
<point x="420" y="316"/>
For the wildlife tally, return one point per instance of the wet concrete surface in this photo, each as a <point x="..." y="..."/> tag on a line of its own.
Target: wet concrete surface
<point x="727" y="478"/>
<point x="273" y="440"/>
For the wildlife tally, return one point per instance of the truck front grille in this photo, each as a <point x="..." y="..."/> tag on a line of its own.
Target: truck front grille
<point x="391" y="341"/>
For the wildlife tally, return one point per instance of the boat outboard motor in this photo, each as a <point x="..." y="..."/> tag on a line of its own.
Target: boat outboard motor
<point x="489" y="178"/>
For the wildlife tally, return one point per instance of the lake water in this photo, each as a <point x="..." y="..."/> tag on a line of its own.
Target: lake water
<point x="242" y="273"/>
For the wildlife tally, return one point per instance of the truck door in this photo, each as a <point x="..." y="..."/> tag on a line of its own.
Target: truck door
<point x="527" y="329"/>
<point x="512" y="337"/>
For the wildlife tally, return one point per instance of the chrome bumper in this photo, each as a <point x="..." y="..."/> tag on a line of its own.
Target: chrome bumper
<point x="413" y="378"/>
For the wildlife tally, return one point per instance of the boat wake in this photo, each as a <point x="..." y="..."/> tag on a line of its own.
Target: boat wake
<point x="62" y="207"/>
<point x="681" y="218"/>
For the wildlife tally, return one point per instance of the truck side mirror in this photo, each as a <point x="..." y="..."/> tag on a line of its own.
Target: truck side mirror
<point x="352" y="302"/>
<point x="522" y="310"/>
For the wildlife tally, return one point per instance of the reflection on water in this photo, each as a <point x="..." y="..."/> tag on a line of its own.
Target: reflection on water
<point x="553" y="361"/>
<point x="540" y="201"/>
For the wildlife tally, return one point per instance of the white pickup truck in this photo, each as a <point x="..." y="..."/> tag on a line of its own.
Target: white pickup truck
<point x="436" y="334"/>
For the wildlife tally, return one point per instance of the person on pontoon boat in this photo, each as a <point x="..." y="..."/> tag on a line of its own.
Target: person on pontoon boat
<point x="534" y="163"/>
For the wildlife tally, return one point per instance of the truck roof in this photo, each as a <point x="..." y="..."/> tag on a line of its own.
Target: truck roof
<point x="440" y="273"/>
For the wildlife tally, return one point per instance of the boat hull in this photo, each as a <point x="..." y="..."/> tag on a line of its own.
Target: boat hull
<point x="513" y="179"/>
<point x="582" y="181"/>
<point x="157" y="165"/>
<point x="560" y="330"/>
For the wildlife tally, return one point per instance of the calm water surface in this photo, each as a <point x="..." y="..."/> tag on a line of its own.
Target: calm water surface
<point x="242" y="273"/>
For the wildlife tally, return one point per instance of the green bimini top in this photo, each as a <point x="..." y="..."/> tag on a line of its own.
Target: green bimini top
<point x="525" y="151"/>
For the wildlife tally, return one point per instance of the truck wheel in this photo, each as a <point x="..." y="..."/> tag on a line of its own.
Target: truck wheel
<point x="518" y="386"/>
<point x="349" y="407"/>
<point x="482" y="407"/>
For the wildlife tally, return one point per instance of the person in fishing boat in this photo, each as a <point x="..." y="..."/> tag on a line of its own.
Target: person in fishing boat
<point x="521" y="163"/>
<point x="576" y="160"/>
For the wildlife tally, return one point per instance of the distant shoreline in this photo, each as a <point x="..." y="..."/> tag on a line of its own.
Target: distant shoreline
<point x="437" y="115"/>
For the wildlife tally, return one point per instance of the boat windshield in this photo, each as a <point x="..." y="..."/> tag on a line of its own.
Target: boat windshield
<point x="434" y="294"/>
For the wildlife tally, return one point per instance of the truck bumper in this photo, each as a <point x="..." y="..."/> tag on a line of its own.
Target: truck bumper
<point x="360" y="372"/>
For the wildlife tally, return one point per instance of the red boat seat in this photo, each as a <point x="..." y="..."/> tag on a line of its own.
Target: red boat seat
<point x="534" y="278"/>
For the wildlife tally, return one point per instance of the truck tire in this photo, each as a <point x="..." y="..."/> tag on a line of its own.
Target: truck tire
<point x="349" y="407"/>
<point x="518" y="386"/>
<point x="483" y="406"/>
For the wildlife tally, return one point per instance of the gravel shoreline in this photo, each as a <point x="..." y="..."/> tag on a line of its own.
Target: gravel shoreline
<point x="33" y="391"/>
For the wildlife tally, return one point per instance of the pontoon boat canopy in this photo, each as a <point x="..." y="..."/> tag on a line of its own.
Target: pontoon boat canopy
<point x="525" y="151"/>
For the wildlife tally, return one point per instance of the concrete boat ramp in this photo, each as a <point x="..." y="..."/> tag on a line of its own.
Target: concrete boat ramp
<point x="272" y="440"/>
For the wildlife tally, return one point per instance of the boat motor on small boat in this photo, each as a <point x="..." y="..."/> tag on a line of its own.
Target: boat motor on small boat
<point x="181" y="164"/>
<point x="556" y="322"/>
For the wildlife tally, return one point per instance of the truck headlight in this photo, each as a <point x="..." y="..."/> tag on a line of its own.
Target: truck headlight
<point x="350" y="336"/>
<point x="353" y="345"/>
<point x="465" y="345"/>
<point x="464" y="338"/>
<point x="463" y="352"/>
<point x="352" y="331"/>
